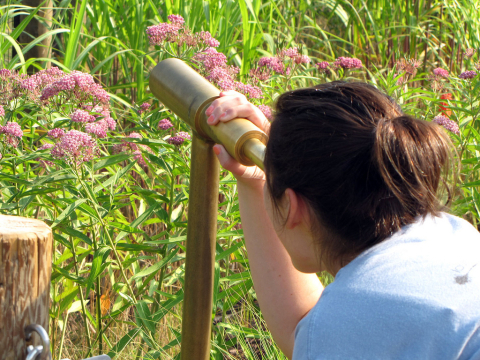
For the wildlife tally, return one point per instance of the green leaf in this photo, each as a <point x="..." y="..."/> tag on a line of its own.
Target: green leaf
<point x="126" y="228"/>
<point x="75" y="29"/>
<point x="98" y="258"/>
<point x="110" y="160"/>
<point x="144" y="315"/>
<point x="76" y="234"/>
<point x="157" y="266"/>
<point x="167" y="305"/>
<point x="124" y="341"/>
<point x="66" y="213"/>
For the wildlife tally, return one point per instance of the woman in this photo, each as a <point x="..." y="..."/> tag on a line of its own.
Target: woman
<point x="350" y="187"/>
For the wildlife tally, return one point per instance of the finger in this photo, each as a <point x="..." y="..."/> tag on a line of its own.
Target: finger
<point x="228" y="162"/>
<point x="237" y="169"/>
<point x="247" y="111"/>
<point x="231" y="93"/>
<point x="219" y="106"/>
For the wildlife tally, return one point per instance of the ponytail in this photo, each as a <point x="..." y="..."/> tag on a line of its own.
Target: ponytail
<point x="364" y="167"/>
<point x="411" y="156"/>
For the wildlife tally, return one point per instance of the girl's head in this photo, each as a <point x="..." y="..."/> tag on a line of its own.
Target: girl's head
<point x="363" y="168"/>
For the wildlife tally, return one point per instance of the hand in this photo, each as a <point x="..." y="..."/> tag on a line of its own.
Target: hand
<point x="231" y="105"/>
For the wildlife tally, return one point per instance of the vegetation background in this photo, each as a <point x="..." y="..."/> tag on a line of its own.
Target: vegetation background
<point x="120" y="219"/>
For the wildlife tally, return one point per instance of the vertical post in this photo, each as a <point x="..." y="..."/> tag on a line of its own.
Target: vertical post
<point x="200" y="256"/>
<point x="35" y="29"/>
<point x="25" y="270"/>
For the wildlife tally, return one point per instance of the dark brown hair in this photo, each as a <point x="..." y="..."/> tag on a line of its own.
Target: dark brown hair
<point x="364" y="168"/>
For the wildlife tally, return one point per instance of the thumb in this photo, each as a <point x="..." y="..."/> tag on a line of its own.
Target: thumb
<point x="237" y="169"/>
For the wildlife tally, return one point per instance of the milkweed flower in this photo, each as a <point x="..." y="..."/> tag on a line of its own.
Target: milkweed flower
<point x="274" y="63"/>
<point x="165" y="124"/>
<point x="185" y="135"/>
<point x="56" y="133"/>
<point x="469" y="52"/>
<point x="260" y="74"/>
<point x="82" y="116"/>
<point x="179" y="138"/>
<point x="97" y="128"/>
<point x="76" y="146"/>
<point x="13" y="133"/>
<point x="448" y="124"/>
<point x="467" y="75"/>
<point x="144" y="107"/>
<point x="206" y="38"/>
<point x="176" y="19"/>
<point x="250" y="90"/>
<point x="323" y="66"/>
<point x="211" y="58"/>
<point x="302" y="59"/>
<point x="348" y="63"/>
<point x="79" y="86"/>
<point x="441" y="72"/>
<point x="2" y="111"/>
<point x="137" y="155"/>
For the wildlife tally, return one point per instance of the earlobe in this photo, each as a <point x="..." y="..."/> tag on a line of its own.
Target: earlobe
<point x="293" y="211"/>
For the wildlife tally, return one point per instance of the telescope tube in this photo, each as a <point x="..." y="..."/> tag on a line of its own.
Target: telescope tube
<point x="188" y="94"/>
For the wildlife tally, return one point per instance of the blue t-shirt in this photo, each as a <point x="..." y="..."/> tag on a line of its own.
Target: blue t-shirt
<point x="416" y="295"/>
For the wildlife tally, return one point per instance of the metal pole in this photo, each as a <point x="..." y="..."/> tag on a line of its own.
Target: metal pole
<point x="200" y="257"/>
<point x="188" y="95"/>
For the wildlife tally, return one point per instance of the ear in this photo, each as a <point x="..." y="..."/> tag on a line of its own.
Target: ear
<point x="297" y="209"/>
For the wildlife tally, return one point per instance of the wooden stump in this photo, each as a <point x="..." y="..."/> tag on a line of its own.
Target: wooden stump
<point x="25" y="270"/>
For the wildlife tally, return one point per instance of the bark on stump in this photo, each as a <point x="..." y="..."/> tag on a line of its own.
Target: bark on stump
<point x="25" y="270"/>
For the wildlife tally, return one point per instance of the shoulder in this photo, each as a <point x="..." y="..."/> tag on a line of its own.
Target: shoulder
<point x="417" y="292"/>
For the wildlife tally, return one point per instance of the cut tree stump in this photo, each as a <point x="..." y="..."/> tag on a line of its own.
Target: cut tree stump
<point x="25" y="270"/>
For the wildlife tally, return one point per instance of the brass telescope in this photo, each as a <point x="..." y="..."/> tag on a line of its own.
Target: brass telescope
<point x="188" y="94"/>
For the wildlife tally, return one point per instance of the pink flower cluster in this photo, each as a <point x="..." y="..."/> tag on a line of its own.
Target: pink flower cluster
<point x="13" y="133"/>
<point x="217" y="71"/>
<point x="179" y="138"/>
<point x="165" y="124"/>
<point x="144" y="107"/>
<point x="135" y="149"/>
<point x="260" y="74"/>
<point x="277" y="63"/>
<point x="77" y="85"/>
<point x="469" y="52"/>
<point x="348" y="63"/>
<point x="41" y="79"/>
<point x="323" y="66"/>
<point x="273" y="63"/>
<point x="56" y="133"/>
<point x="76" y="147"/>
<point x="101" y="127"/>
<point x="448" y="124"/>
<point x="467" y="75"/>
<point x="177" y="32"/>
<point x="82" y="116"/>
<point x="2" y="111"/>
<point x="441" y="72"/>
<point x="11" y="85"/>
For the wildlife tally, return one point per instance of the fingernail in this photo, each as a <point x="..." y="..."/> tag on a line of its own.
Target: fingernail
<point x="222" y="116"/>
<point x="211" y="119"/>
<point x="216" y="150"/>
<point x="209" y="110"/>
